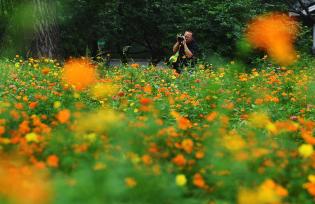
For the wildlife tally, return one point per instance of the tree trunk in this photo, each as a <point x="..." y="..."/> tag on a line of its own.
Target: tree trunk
<point x="45" y="38"/>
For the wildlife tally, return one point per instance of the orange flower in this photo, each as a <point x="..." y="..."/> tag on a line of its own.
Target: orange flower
<point x="23" y="184"/>
<point x="145" y="101"/>
<point x="287" y="126"/>
<point x="79" y="73"/>
<point x="274" y="33"/>
<point x="45" y="70"/>
<point x="310" y="185"/>
<point x="210" y="117"/>
<point x="179" y="160"/>
<point x="32" y="105"/>
<point x="53" y="161"/>
<point x="310" y="188"/>
<point x="308" y="136"/>
<point x="63" y="116"/>
<point x="19" y="106"/>
<point x="14" y="114"/>
<point x="130" y="182"/>
<point x="187" y="145"/>
<point x="259" y="101"/>
<point x="147" y="160"/>
<point x="147" y="89"/>
<point x="2" y="130"/>
<point x="199" y="181"/>
<point x="2" y="121"/>
<point x="24" y="127"/>
<point x="135" y="65"/>
<point x="199" y="155"/>
<point x="184" y="123"/>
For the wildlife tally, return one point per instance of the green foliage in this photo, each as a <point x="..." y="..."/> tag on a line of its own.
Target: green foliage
<point x="148" y="26"/>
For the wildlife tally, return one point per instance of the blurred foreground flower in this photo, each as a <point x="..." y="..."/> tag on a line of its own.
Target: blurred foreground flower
<point x="310" y="186"/>
<point x="97" y="122"/>
<point x="182" y="122"/>
<point x="103" y="90"/>
<point x="181" y="180"/>
<point x="275" y="34"/>
<point x="32" y="137"/>
<point x="268" y="192"/>
<point x="53" y="161"/>
<point x="306" y="150"/>
<point x="23" y="184"/>
<point x="79" y="73"/>
<point x="63" y="116"/>
<point x="130" y="182"/>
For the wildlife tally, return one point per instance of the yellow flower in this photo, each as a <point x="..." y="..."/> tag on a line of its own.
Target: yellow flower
<point x="57" y="104"/>
<point x="233" y="141"/>
<point x="181" y="180"/>
<point x="5" y="141"/>
<point x="102" y="90"/>
<point x="90" y="137"/>
<point x="99" y="166"/>
<point x="311" y="178"/>
<point x="271" y="128"/>
<point x="306" y="150"/>
<point x="267" y="192"/>
<point x="32" y="137"/>
<point x="76" y="95"/>
<point x="246" y="196"/>
<point x="259" y="120"/>
<point x="96" y="122"/>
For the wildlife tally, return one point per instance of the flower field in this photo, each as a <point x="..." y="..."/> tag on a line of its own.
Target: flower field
<point x="83" y="133"/>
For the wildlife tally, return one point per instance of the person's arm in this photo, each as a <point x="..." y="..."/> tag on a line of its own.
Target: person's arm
<point x="188" y="53"/>
<point x="176" y="47"/>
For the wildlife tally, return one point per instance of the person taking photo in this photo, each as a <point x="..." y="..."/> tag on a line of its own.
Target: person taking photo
<point x="185" y="52"/>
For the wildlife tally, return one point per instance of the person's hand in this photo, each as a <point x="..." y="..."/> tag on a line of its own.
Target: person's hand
<point x="184" y="41"/>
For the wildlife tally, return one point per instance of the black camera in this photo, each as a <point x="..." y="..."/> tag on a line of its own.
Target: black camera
<point x="180" y="38"/>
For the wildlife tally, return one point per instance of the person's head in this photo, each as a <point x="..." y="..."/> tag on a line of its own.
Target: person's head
<point x="188" y="36"/>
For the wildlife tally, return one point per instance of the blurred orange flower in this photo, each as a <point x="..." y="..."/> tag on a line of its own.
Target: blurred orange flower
<point x="79" y="73"/>
<point x="187" y="145"/>
<point x="145" y="101"/>
<point x="23" y="184"/>
<point x="63" y="116"/>
<point x="275" y="34"/>
<point x="179" y="160"/>
<point x="130" y="182"/>
<point x="33" y="105"/>
<point x="310" y="185"/>
<point x="45" y="70"/>
<point x="135" y="65"/>
<point x="53" y="161"/>
<point x="199" y="181"/>
<point x="2" y="130"/>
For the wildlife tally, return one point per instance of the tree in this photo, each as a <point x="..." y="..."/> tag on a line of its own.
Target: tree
<point x="45" y="40"/>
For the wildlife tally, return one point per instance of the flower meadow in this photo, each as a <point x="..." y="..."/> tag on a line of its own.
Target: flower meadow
<point x="135" y="134"/>
<point x="80" y="132"/>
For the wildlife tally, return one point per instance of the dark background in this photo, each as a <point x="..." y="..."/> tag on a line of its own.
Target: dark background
<point x="73" y="27"/>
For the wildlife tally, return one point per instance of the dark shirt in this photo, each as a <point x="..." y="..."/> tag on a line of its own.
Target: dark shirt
<point x="192" y="46"/>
